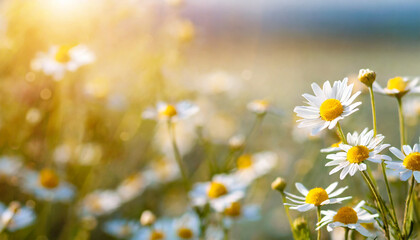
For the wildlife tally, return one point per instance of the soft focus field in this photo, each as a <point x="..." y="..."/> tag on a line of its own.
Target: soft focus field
<point x="87" y="126"/>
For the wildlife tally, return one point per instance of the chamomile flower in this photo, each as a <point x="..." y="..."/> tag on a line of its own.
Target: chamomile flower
<point x="166" y="111"/>
<point x="315" y="197"/>
<point x="359" y="148"/>
<point x="61" y="59"/>
<point x="262" y="106"/>
<point x="251" y="166"/>
<point x="132" y="187"/>
<point x="398" y="86"/>
<point x="121" y="228"/>
<point x="410" y="165"/>
<point x="15" y="217"/>
<point x="335" y="147"/>
<point x="162" y="229"/>
<point x="187" y="227"/>
<point x="238" y="212"/>
<point x="9" y="166"/>
<point x="328" y="106"/>
<point x="100" y="203"/>
<point x="47" y="185"/>
<point x="222" y="190"/>
<point x="348" y="217"/>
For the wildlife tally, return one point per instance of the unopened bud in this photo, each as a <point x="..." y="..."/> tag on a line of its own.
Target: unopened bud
<point x="147" y="218"/>
<point x="279" y="184"/>
<point x="237" y="142"/>
<point x="300" y="223"/>
<point x="367" y="76"/>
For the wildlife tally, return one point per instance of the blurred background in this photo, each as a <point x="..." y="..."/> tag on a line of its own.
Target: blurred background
<point x="218" y="54"/>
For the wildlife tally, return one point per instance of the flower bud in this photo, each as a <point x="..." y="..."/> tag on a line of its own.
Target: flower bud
<point x="279" y="184"/>
<point x="147" y="218"/>
<point x="367" y="76"/>
<point x="237" y="142"/>
<point x="300" y="223"/>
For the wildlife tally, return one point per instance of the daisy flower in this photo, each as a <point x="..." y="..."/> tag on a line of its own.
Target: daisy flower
<point x="121" y="228"/>
<point x="398" y="86"/>
<point x="9" y="166"/>
<point x="186" y="227"/>
<point x="162" y="229"/>
<point x="132" y="187"/>
<point x="15" y="217"/>
<point x="61" y="59"/>
<point x="328" y="106"/>
<point x="100" y="203"/>
<point x="220" y="192"/>
<point x="335" y="147"/>
<point x="359" y="148"/>
<point x="315" y="197"/>
<point x="166" y="111"/>
<point x="47" y="185"/>
<point x="262" y="106"/>
<point x="410" y="164"/>
<point x="348" y="217"/>
<point x="250" y="167"/>
<point x="161" y="170"/>
<point x="238" y="212"/>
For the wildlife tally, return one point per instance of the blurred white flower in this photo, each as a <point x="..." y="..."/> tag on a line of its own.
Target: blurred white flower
<point x="100" y="202"/>
<point x="237" y="212"/>
<point x="62" y="153"/>
<point x="398" y="86"/>
<point x="15" y="217"/>
<point x="9" y="166"/>
<point x="33" y="116"/>
<point x="218" y="82"/>
<point x="328" y="106"/>
<point x="132" y="187"/>
<point x="411" y="108"/>
<point x="162" y="229"/>
<point x="47" y="185"/>
<point x="220" y="192"/>
<point x="185" y="138"/>
<point x="250" y="167"/>
<point x="60" y="59"/>
<point x="88" y="153"/>
<point x="187" y="226"/>
<point x="262" y="106"/>
<point x="166" y="111"/>
<point x="237" y="142"/>
<point x="121" y="228"/>
<point x="335" y="147"/>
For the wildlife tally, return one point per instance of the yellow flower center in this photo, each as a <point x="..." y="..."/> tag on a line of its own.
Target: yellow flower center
<point x="357" y="154"/>
<point x="244" y="161"/>
<point x="412" y="161"/>
<point x="397" y="83"/>
<point x="62" y="55"/>
<point x="217" y="190"/>
<point x="263" y="103"/>
<point x="234" y="210"/>
<point x="316" y="196"/>
<point x="330" y="109"/>
<point x="168" y="111"/>
<point x="185" y="233"/>
<point x="48" y="178"/>
<point x="156" y="235"/>
<point x="346" y="215"/>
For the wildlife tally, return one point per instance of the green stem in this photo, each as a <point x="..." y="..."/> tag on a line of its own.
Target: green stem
<point x="372" y="100"/>
<point x="401" y="117"/>
<point x="340" y="131"/>
<point x="318" y="213"/>
<point x="407" y="206"/>
<point x="346" y="233"/>
<point x="390" y="196"/>
<point x="177" y="154"/>
<point x="286" y="209"/>
<point x="379" y="201"/>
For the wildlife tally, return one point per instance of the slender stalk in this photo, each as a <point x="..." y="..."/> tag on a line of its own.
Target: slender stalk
<point x="389" y="195"/>
<point x="318" y="213"/>
<point x="346" y="233"/>
<point x="379" y="201"/>
<point x="407" y="206"/>
<point x="340" y="131"/>
<point x="372" y="100"/>
<point x="286" y="209"/>
<point x="401" y="117"/>
<point x="177" y="154"/>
